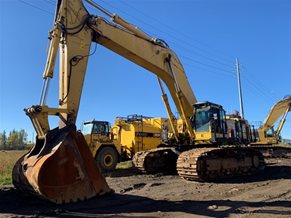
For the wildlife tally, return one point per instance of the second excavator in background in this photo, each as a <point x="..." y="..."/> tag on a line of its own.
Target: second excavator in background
<point x="267" y="139"/>
<point x="266" y="133"/>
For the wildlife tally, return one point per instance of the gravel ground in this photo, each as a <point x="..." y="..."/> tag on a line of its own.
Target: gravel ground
<point x="267" y="194"/>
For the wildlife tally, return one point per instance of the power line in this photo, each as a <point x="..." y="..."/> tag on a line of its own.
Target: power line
<point x="186" y="49"/>
<point x="259" y="83"/>
<point x="183" y="48"/>
<point x="258" y="86"/>
<point x="178" y="44"/>
<point x="252" y="84"/>
<point x="206" y="70"/>
<point x="227" y="72"/>
<point x="179" y="40"/>
<point x="36" y="7"/>
<point x="207" y="65"/>
<point x="223" y="71"/>
<point x="49" y="2"/>
<point x="172" y="29"/>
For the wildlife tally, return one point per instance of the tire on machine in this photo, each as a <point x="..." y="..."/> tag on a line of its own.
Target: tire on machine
<point x="107" y="159"/>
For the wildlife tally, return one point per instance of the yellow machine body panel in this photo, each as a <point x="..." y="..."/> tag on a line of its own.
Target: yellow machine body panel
<point x="203" y="137"/>
<point x="140" y="135"/>
<point x="95" y="141"/>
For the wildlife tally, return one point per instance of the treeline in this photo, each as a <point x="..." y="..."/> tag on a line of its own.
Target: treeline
<point x="15" y="140"/>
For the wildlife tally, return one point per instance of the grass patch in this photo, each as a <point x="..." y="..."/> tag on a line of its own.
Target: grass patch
<point x="124" y="165"/>
<point x="122" y="169"/>
<point x="7" y="161"/>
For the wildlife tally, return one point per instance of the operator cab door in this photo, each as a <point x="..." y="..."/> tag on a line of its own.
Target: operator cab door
<point x="209" y="123"/>
<point x="218" y="125"/>
<point x="100" y="131"/>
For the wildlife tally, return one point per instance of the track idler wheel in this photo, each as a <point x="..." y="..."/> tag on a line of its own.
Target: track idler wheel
<point x="60" y="168"/>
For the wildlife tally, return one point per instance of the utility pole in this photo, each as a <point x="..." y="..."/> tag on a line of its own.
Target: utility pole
<point x="239" y="88"/>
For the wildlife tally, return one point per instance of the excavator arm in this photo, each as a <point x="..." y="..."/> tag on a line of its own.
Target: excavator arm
<point x="280" y="109"/>
<point x="72" y="38"/>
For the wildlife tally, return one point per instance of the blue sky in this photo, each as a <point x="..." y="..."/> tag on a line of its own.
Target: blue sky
<point x="207" y="35"/>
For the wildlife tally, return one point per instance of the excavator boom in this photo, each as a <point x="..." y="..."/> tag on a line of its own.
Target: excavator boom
<point x="279" y="110"/>
<point x="268" y="138"/>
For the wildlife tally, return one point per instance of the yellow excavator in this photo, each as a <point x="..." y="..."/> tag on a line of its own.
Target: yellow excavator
<point x="268" y="138"/>
<point x="60" y="167"/>
<point x="266" y="133"/>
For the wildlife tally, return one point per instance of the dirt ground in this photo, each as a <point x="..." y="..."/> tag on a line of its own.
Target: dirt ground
<point x="265" y="195"/>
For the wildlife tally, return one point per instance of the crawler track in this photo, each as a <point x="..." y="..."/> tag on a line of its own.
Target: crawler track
<point x="159" y="160"/>
<point x="208" y="164"/>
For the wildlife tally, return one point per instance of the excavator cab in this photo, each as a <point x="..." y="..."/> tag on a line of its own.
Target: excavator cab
<point x="101" y="128"/>
<point x="209" y="122"/>
<point x="94" y="131"/>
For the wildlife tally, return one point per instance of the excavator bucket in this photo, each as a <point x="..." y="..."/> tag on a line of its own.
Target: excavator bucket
<point x="60" y="168"/>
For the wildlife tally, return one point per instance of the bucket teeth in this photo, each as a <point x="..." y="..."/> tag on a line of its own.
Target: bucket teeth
<point x="60" y="169"/>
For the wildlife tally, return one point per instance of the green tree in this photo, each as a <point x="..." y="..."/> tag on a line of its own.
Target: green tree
<point x="12" y="140"/>
<point x="22" y="137"/>
<point x="3" y="140"/>
<point x="16" y="140"/>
